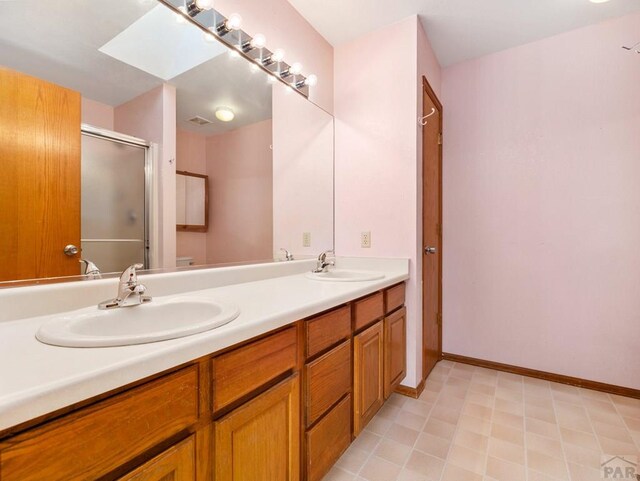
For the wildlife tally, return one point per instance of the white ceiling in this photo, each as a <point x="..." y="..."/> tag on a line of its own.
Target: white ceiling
<point x="461" y="29"/>
<point x="60" y="41"/>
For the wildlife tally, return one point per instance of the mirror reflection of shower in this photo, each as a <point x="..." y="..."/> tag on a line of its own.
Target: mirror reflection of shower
<point x="114" y="220"/>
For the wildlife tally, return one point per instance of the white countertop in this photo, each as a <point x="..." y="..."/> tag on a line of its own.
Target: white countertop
<point x="37" y="379"/>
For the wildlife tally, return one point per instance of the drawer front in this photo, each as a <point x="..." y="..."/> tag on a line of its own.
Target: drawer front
<point x="368" y="310"/>
<point x="95" y="441"/>
<point x="328" y="440"/>
<point x="243" y="370"/>
<point x="178" y="463"/>
<point x="394" y="297"/>
<point x="327" y="379"/>
<point x="326" y="330"/>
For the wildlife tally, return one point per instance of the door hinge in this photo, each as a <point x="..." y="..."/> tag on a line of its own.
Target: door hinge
<point x="440" y="138"/>
<point x="439" y="230"/>
<point x="439" y="319"/>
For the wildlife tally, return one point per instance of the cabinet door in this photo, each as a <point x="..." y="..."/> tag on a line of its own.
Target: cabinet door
<point x="368" y="368"/>
<point x="175" y="464"/>
<point x="260" y="440"/>
<point x="395" y="341"/>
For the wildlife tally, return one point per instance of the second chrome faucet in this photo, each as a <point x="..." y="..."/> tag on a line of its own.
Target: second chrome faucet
<point x="130" y="292"/>
<point x="323" y="263"/>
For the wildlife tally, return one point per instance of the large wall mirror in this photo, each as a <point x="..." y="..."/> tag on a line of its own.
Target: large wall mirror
<point x="102" y="103"/>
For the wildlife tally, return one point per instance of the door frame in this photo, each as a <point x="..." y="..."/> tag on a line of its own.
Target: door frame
<point x="428" y="90"/>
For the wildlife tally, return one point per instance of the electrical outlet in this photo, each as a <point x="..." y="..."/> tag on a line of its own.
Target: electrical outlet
<point x="306" y="239"/>
<point x="365" y="239"/>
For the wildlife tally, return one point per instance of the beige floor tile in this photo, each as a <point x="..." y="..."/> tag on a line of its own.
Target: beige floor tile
<point x="539" y="401"/>
<point x="509" y="407"/>
<point x="406" y="475"/>
<point x="337" y="474"/>
<point x="511" y="435"/>
<point x="440" y="428"/>
<point x="506" y="451"/>
<point x="429" y="396"/>
<point x="477" y="411"/>
<point x="583" y="456"/>
<point x="501" y="470"/>
<point x="367" y="441"/>
<point x="573" y="417"/>
<point x="508" y="420"/>
<point x="397" y="400"/>
<point x="445" y="414"/>
<point x="579" y="438"/>
<point x="613" y="446"/>
<point x="591" y="394"/>
<point x="583" y="473"/>
<point x="481" y="399"/>
<point x="467" y="459"/>
<point x="426" y="465"/>
<point x="402" y="434"/>
<point x="389" y="411"/>
<point x="392" y="451"/>
<point x="471" y="440"/>
<point x="476" y="425"/>
<point x="540" y="413"/>
<point x="507" y="394"/>
<point x="433" y="445"/>
<point x="480" y="388"/>
<point x="417" y="406"/>
<point x="543" y="428"/>
<point x="379" y="425"/>
<point x="455" y="473"/>
<point x="353" y="459"/>
<point x="541" y="444"/>
<point x="554" y="467"/>
<point x="410" y="420"/>
<point x="378" y="469"/>
<point x="536" y="476"/>
<point x="612" y="431"/>
<point x="607" y="417"/>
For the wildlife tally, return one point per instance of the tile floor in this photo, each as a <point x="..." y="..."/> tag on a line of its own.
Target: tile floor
<point x="475" y="424"/>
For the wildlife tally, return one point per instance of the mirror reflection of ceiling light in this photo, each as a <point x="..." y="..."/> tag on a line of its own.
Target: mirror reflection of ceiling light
<point x="312" y="80"/>
<point x="204" y="4"/>
<point x="278" y="55"/>
<point x="225" y="114"/>
<point x="598" y="1"/>
<point x="296" y="68"/>
<point x="181" y="18"/>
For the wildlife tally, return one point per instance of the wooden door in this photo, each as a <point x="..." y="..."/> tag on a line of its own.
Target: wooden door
<point x="395" y="350"/>
<point x="40" y="180"/>
<point x="177" y="463"/>
<point x="431" y="230"/>
<point x="368" y="372"/>
<point x="260" y="440"/>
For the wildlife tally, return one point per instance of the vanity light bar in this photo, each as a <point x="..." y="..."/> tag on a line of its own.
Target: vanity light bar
<point x="253" y="48"/>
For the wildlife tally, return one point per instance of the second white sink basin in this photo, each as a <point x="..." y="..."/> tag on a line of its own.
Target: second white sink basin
<point x="345" y="275"/>
<point x="158" y="320"/>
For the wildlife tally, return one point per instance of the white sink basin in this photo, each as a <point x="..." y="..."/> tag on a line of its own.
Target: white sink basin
<point x="344" y="275"/>
<point x="158" y="320"/>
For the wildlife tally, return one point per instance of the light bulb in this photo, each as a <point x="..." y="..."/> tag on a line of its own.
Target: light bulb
<point x="311" y="80"/>
<point x="296" y="68"/>
<point x="271" y="79"/>
<point x="225" y="114"/>
<point x="204" y="4"/>
<point x="233" y="22"/>
<point x="277" y="55"/>
<point x="258" y="41"/>
<point x="180" y="18"/>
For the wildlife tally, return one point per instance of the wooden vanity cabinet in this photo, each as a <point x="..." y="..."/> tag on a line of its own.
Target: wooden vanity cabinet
<point x="368" y="375"/>
<point x="395" y="350"/>
<point x="260" y="440"/>
<point x="178" y="463"/>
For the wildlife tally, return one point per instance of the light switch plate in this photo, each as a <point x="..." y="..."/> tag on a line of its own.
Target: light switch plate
<point x="306" y="239"/>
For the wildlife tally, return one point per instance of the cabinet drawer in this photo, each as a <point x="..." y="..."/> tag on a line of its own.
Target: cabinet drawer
<point x="328" y="440"/>
<point x="327" y="379"/>
<point x="243" y="370"/>
<point x="368" y="310"/>
<point x="94" y="441"/>
<point x="326" y="330"/>
<point x="178" y="463"/>
<point x="393" y="297"/>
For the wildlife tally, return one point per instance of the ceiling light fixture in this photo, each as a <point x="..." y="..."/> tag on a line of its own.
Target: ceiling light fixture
<point x="225" y="114"/>
<point x="598" y="1"/>
<point x="197" y="6"/>
<point x="232" y="23"/>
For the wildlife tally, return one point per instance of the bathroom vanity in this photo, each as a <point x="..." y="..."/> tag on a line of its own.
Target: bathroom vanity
<point x="277" y="394"/>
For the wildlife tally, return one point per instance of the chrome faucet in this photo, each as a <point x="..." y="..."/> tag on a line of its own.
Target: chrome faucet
<point x="288" y="256"/>
<point x="130" y="292"/>
<point x="90" y="269"/>
<point x="323" y="263"/>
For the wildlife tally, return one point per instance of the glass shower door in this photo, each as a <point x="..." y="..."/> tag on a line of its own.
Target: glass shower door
<point x="114" y="233"/>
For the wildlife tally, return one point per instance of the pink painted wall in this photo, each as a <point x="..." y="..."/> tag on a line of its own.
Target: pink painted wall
<point x="377" y="160"/>
<point x="240" y="169"/>
<point x="97" y="114"/>
<point x="541" y="205"/>
<point x="191" y="156"/>
<point x="285" y="28"/>
<point x="302" y="174"/>
<point x="152" y="117"/>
